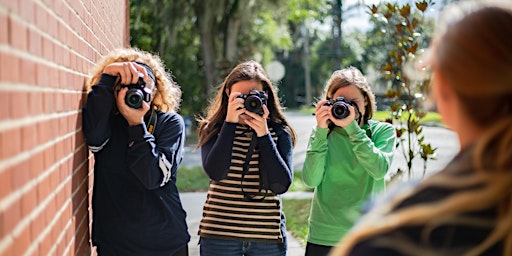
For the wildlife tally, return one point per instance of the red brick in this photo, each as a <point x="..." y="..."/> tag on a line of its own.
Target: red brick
<point x="48" y="101"/>
<point x="21" y="175"/>
<point x="5" y="184"/>
<point x="12" y="216"/>
<point x="11" y="5"/>
<point x="10" y="68"/>
<point x="43" y="191"/>
<point x="11" y="143"/>
<point x="4" y="97"/>
<point x="18" y="35"/>
<point x="49" y="160"/>
<point x="41" y="17"/>
<point x="35" y="43"/>
<point x="28" y="137"/>
<point x="28" y="69"/>
<point x="3" y="232"/>
<point x="22" y="242"/>
<point x="43" y="132"/>
<point x="35" y="103"/>
<point x="37" y="164"/>
<point x="61" y="31"/>
<point x="19" y="104"/>
<point x="47" y="46"/>
<point x="59" y="151"/>
<point x="27" y="10"/>
<point x="42" y="75"/>
<point x="52" y="77"/>
<point x="4" y="28"/>
<point x="51" y="26"/>
<point x="29" y="201"/>
<point x="46" y="245"/>
<point x="37" y="226"/>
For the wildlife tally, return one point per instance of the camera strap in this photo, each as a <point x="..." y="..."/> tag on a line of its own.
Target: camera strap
<point x="151" y="124"/>
<point x="248" y="158"/>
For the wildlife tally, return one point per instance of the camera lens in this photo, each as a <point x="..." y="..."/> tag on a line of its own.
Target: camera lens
<point x="134" y="98"/>
<point x="253" y="104"/>
<point x="340" y="110"/>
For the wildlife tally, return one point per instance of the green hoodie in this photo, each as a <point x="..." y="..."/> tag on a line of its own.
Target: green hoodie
<point x="345" y="167"/>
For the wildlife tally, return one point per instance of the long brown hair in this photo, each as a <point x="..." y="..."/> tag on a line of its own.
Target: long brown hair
<point x="216" y="112"/>
<point x="473" y="52"/>
<point x="167" y="97"/>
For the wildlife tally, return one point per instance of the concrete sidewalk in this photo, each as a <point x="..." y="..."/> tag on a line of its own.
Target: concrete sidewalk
<point x="193" y="205"/>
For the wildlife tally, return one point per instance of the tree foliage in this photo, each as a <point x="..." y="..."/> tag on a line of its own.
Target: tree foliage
<point x="201" y="40"/>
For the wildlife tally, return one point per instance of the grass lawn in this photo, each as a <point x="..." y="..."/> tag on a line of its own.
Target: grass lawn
<point x="192" y="179"/>
<point x="297" y="214"/>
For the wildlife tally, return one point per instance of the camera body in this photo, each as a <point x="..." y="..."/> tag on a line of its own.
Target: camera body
<point x="137" y="93"/>
<point x="254" y="101"/>
<point x="339" y="107"/>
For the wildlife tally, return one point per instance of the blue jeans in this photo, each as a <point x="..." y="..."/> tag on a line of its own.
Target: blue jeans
<point x="223" y="247"/>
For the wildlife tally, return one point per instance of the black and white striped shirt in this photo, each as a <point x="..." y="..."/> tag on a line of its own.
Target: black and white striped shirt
<point x="226" y="214"/>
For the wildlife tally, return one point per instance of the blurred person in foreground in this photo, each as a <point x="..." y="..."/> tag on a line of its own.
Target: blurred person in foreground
<point x="466" y="208"/>
<point x="347" y="158"/>
<point x="131" y="125"/>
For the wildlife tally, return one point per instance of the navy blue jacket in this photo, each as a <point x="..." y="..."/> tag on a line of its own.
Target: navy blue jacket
<point x="136" y="205"/>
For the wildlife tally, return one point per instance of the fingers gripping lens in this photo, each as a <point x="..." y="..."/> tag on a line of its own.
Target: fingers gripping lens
<point x="137" y="93"/>
<point x="254" y="101"/>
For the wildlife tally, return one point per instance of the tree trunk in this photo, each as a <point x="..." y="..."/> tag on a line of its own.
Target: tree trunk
<point x="206" y="24"/>
<point x="337" y="17"/>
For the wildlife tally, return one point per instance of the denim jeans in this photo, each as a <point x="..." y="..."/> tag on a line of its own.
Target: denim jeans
<point x="224" y="247"/>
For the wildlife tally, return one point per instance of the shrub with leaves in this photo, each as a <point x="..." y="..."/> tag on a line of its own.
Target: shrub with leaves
<point x="407" y="37"/>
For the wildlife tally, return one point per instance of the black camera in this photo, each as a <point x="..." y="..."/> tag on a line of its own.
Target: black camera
<point x="254" y="101"/>
<point x="339" y="107"/>
<point x="137" y="93"/>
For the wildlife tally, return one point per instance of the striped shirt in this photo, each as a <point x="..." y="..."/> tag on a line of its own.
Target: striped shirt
<point x="227" y="215"/>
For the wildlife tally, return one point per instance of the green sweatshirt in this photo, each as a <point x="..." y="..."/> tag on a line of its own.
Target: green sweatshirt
<point x="345" y="167"/>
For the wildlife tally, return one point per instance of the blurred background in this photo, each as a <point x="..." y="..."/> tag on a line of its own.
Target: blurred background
<point x="299" y="42"/>
<point x="49" y="47"/>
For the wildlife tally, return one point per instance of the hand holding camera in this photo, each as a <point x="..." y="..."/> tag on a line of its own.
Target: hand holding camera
<point x="339" y="111"/>
<point x="133" y="97"/>
<point x="254" y="101"/>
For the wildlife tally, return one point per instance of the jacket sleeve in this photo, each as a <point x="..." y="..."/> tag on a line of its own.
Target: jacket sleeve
<point x="314" y="164"/>
<point x="216" y="153"/>
<point x="276" y="160"/>
<point x="375" y="154"/>
<point x="97" y="112"/>
<point x="154" y="160"/>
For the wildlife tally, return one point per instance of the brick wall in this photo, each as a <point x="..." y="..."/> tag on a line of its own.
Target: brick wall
<point x="47" y="48"/>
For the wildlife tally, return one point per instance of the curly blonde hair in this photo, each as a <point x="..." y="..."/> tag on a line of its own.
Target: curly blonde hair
<point x="472" y="50"/>
<point x="167" y="97"/>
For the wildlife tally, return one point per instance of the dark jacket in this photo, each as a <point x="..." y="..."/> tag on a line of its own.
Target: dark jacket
<point x="136" y="205"/>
